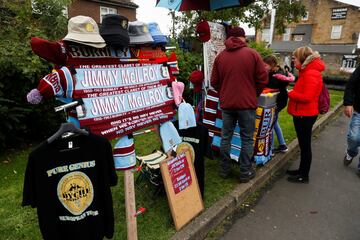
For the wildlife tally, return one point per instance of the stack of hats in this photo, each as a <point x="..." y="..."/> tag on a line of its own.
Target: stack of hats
<point x="84" y="30"/>
<point x="139" y="33"/>
<point x="196" y="78"/>
<point x="114" y="29"/>
<point x="157" y="35"/>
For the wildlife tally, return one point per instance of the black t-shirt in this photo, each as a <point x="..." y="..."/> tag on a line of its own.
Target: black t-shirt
<point x="68" y="181"/>
<point x="197" y="137"/>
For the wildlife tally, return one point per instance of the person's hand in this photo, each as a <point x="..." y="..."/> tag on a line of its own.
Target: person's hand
<point x="348" y="111"/>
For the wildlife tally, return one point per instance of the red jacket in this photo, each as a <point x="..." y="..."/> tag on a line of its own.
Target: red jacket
<point x="239" y="75"/>
<point x="304" y="98"/>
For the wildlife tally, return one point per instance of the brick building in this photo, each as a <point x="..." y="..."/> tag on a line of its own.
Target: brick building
<point x="330" y="27"/>
<point x="97" y="9"/>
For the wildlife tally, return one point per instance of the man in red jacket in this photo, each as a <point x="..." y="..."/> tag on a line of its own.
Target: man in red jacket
<point x="239" y="76"/>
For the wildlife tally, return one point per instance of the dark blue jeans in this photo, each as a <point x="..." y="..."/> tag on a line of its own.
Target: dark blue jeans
<point x="246" y="121"/>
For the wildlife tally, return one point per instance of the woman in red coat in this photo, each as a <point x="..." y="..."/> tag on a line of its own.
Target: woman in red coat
<point x="303" y="106"/>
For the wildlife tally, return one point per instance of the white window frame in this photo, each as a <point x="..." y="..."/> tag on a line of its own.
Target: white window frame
<point x="298" y="37"/>
<point x="106" y="10"/>
<point x="265" y="35"/>
<point x="336" y="32"/>
<point x="287" y="34"/>
<point x="305" y="17"/>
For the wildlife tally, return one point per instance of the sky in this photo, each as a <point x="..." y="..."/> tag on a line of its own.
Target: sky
<point x="147" y="12"/>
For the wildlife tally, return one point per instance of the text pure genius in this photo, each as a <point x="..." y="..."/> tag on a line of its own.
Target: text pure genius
<point x="120" y="77"/>
<point x="71" y="167"/>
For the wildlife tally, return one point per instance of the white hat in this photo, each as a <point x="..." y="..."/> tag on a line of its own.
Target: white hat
<point x="84" y="30"/>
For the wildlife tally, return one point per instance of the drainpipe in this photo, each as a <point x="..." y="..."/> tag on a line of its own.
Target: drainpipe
<point x="272" y="22"/>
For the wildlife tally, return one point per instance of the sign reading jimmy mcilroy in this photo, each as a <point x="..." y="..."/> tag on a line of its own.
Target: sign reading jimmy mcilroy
<point x="123" y="98"/>
<point x="338" y="13"/>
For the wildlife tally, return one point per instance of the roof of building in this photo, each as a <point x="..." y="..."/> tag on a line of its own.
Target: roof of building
<point x="355" y="3"/>
<point x="290" y="46"/>
<point x="119" y="3"/>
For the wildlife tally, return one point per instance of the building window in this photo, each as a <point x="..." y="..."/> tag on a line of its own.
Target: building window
<point x="287" y="34"/>
<point x="265" y="35"/>
<point x="106" y="10"/>
<point x="298" y="38"/>
<point x="305" y="17"/>
<point x="336" y="32"/>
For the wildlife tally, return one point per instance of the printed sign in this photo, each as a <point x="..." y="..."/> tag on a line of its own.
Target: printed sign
<point x="179" y="173"/>
<point x="348" y="63"/>
<point x="338" y="13"/>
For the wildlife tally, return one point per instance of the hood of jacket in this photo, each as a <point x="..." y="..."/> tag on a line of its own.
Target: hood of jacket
<point x="314" y="62"/>
<point x="234" y="43"/>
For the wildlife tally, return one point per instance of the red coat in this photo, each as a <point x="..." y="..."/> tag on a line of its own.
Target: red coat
<point x="304" y="98"/>
<point x="239" y="75"/>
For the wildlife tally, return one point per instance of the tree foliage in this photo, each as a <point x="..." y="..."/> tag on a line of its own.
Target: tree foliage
<point x="20" y="68"/>
<point x="253" y="15"/>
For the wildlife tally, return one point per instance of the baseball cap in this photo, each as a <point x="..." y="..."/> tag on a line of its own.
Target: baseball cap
<point x="114" y="29"/>
<point x="157" y="35"/>
<point x="139" y="33"/>
<point x="124" y="153"/>
<point x="186" y="116"/>
<point x="84" y="30"/>
<point x="236" y="32"/>
<point x="203" y="30"/>
<point x="169" y="136"/>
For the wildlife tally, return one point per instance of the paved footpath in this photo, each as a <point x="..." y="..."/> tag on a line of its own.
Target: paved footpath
<point x="325" y="209"/>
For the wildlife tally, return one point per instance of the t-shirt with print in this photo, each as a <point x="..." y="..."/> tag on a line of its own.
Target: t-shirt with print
<point x="68" y="181"/>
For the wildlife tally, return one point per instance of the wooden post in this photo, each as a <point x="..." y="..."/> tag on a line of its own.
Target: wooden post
<point x="130" y="205"/>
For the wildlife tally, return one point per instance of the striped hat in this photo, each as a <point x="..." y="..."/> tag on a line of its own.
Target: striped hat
<point x="124" y="153"/>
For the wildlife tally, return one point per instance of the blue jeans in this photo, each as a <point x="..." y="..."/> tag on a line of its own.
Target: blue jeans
<point x="279" y="134"/>
<point x="246" y="121"/>
<point x="353" y="136"/>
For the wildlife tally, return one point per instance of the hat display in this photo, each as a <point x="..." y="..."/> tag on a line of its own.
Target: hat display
<point x="236" y="32"/>
<point x="114" y="30"/>
<point x="139" y="33"/>
<point x="169" y="136"/>
<point x="178" y="89"/>
<point x="84" y="30"/>
<point x="203" y="29"/>
<point x="124" y="153"/>
<point x="157" y="35"/>
<point x="186" y="116"/>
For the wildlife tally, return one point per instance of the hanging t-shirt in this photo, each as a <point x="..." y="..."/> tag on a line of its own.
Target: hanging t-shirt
<point x="68" y="181"/>
<point x="197" y="137"/>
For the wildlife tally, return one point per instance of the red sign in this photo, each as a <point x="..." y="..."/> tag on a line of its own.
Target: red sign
<point x="180" y="173"/>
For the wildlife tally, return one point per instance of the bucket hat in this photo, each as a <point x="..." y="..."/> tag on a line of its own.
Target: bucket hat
<point x="139" y="33"/>
<point x="156" y="34"/>
<point x="84" y="30"/>
<point x="114" y="30"/>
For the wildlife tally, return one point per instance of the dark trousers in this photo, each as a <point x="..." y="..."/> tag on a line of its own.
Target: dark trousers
<point x="303" y="128"/>
<point x="246" y="120"/>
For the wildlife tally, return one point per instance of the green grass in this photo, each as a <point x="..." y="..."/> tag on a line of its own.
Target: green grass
<point x="21" y="222"/>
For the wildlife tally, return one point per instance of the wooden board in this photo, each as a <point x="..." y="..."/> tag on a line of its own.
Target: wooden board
<point x="182" y="189"/>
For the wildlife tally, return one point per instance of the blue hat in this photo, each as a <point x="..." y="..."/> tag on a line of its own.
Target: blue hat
<point x="169" y="136"/>
<point x="124" y="153"/>
<point x="157" y="35"/>
<point x="186" y="116"/>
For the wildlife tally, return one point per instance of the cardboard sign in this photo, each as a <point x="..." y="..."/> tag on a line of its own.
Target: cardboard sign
<point x="182" y="189"/>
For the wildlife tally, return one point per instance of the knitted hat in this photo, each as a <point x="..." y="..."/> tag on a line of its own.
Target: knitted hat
<point x="53" y="52"/>
<point x="169" y="136"/>
<point x="56" y="84"/>
<point x="186" y="116"/>
<point x="196" y="77"/>
<point x="173" y="64"/>
<point x="236" y="32"/>
<point x="203" y="29"/>
<point x="157" y="35"/>
<point x="114" y="29"/>
<point x="84" y="30"/>
<point x="124" y="153"/>
<point x="178" y="89"/>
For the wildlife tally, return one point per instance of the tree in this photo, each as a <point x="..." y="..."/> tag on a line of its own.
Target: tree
<point x="20" y="68"/>
<point x="254" y="15"/>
